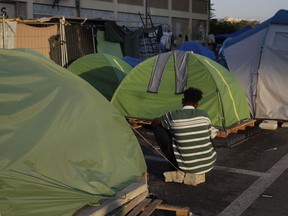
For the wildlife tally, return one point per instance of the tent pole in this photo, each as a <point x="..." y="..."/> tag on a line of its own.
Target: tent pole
<point x="254" y="96"/>
<point x="3" y="31"/>
<point x="93" y="39"/>
<point x="63" y="46"/>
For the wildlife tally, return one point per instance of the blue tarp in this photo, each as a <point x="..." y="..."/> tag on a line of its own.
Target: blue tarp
<point x="198" y="49"/>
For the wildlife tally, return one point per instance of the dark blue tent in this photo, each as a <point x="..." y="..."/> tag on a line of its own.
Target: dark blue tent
<point x="132" y="61"/>
<point x="198" y="49"/>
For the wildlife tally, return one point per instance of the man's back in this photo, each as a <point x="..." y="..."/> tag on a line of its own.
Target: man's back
<point x="191" y="131"/>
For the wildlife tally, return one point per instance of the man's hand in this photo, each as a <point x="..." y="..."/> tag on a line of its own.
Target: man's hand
<point x="214" y="132"/>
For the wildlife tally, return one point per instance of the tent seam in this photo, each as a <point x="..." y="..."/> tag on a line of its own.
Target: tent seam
<point x="226" y="84"/>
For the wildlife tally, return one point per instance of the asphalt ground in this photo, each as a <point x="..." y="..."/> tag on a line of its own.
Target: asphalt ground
<point x="249" y="179"/>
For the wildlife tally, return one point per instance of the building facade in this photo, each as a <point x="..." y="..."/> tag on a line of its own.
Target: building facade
<point x="182" y="17"/>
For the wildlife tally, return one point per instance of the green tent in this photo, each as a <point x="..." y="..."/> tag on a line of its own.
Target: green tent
<point x="103" y="71"/>
<point x="154" y="87"/>
<point x="62" y="144"/>
<point x="28" y="50"/>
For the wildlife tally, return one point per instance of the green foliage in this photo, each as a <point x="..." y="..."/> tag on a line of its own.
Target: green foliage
<point x="225" y="27"/>
<point x="212" y="11"/>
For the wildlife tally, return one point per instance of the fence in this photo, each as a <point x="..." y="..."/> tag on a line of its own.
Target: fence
<point x="57" y="38"/>
<point x="63" y="40"/>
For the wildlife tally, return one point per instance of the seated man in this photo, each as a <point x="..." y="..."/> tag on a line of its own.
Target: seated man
<point x="184" y="136"/>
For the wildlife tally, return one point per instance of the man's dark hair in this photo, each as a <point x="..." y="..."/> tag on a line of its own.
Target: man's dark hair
<point x="192" y="95"/>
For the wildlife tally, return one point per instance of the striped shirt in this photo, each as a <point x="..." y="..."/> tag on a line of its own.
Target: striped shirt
<point x="191" y="130"/>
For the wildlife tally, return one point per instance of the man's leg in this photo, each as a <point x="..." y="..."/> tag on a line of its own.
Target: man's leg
<point x="164" y="140"/>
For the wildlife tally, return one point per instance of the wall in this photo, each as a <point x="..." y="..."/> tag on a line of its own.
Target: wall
<point x="181" y="16"/>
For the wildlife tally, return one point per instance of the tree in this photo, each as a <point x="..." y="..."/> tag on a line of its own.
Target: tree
<point x="225" y="27"/>
<point x="212" y="11"/>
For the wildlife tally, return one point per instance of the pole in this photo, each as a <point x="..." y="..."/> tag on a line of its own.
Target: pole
<point x="146" y="10"/>
<point x="3" y="30"/>
<point x="78" y="8"/>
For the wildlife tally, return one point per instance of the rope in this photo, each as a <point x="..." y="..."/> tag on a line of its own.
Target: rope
<point x="159" y="152"/>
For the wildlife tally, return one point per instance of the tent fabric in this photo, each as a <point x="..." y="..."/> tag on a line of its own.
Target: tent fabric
<point x="103" y="71"/>
<point x="132" y="61"/>
<point x="56" y="149"/>
<point x="108" y="47"/>
<point x="258" y="58"/>
<point x="157" y="73"/>
<point x="223" y="98"/>
<point x="180" y="61"/>
<point x="129" y="38"/>
<point x="197" y="48"/>
<point x="32" y="52"/>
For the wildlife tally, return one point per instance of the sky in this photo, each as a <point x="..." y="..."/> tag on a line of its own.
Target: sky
<point x="259" y="10"/>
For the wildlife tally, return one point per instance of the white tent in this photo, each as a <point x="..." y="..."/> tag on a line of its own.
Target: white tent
<point x="259" y="60"/>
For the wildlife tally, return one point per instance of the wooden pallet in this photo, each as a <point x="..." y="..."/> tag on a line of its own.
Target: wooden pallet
<point x="148" y="206"/>
<point x="137" y="123"/>
<point x="235" y="128"/>
<point x="124" y="201"/>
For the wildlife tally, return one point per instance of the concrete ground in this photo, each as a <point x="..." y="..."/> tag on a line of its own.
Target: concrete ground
<point x="249" y="179"/>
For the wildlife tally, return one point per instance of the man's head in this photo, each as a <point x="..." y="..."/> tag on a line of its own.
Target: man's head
<point x="192" y="96"/>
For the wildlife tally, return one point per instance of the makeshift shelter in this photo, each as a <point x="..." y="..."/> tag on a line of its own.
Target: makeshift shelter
<point x="154" y="87"/>
<point x="259" y="59"/>
<point x="103" y="71"/>
<point x="63" y="145"/>
<point x="197" y="48"/>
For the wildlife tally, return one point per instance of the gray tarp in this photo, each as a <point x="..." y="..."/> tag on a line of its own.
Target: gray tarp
<point x="259" y="60"/>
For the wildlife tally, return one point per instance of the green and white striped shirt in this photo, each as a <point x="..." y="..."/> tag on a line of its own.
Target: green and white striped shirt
<point x="191" y="129"/>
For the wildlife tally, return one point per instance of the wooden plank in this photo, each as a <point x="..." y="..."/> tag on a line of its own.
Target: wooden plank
<point x="125" y="209"/>
<point x="137" y="123"/>
<point x="139" y="207"/>
<point x="236" y="128"/>
<point x="151" y="207"/>
<point x="180" y="211"/>
<point x="126" y="195"/>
